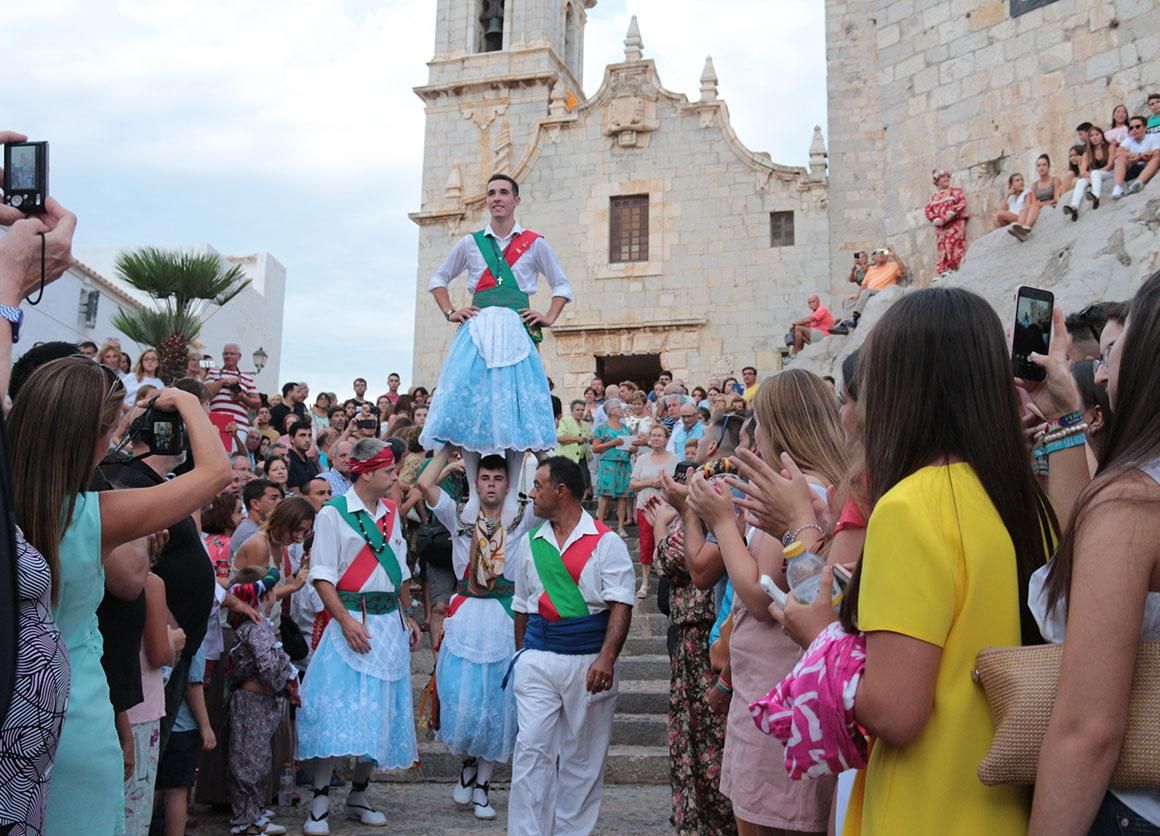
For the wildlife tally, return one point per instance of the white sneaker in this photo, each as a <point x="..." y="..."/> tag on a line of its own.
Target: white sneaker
<point x="461" y="792"/>
<point x="365" y="814"/>
<point x="1134" y="187"/>
<point x="274" y="829"/>
<point x="1117" y="192"/>
<point x="483" y="808"/>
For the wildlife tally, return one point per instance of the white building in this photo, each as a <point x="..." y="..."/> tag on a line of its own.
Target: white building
<point x="253" y="319"/>
<point x="78" y="306"/>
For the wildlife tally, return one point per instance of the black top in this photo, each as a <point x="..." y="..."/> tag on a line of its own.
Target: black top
<point x="278" y="415"/>
<point x="122" y="625"/>
<point x="301" y="470"/>
<point x="557" y="407"/>
<point x="183" y="565"/>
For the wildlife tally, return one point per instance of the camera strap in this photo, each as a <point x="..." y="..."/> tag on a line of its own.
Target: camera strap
<point x="43" y="260"/>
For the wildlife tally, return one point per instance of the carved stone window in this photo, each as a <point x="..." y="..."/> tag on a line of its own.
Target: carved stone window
<point x="781" y="229"/>
<point x="628" y="229"/>
<point x="1018" y="7"/>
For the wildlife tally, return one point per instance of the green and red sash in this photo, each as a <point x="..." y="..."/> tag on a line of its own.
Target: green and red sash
<point x="376" y="551"/>
<point x="560" y="573"/>
<point x="497" y="266"/>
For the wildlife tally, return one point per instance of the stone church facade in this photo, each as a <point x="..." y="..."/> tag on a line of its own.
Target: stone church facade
<point x="981" y="87"/>
<point x="686" y="250"/>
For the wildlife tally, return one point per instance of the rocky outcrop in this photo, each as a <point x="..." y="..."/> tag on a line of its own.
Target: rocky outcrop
<point x="1102" y="257"/>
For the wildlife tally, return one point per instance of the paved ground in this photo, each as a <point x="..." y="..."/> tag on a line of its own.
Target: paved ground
<point x="428" y="809"/>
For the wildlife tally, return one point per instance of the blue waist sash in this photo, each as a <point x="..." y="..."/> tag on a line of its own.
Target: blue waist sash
<point x="569" y="636"/>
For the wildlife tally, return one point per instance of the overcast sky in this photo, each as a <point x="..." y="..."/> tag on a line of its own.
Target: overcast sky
<point x="291" y="127"/>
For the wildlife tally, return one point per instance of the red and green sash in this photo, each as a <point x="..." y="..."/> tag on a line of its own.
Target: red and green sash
<point x="560" y="574"/>
<point x="499" y="265"/>
<point x="363" y="566"/>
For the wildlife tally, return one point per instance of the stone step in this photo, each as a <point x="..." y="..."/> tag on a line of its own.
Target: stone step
<point x="643" y="696"/>
<point x="640" y="729"/>
<point x="626" y="764"/>
<point x="644" y="645"/>
<point x="646" y="666"/>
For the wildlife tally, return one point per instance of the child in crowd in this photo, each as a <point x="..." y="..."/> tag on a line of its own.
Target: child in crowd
<point x="159" y="645"/>
<point x="191" y="733"/>
<point x="261" y="673"/>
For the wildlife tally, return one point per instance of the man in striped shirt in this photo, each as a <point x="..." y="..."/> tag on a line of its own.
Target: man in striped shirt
<point x="232" y="391"/>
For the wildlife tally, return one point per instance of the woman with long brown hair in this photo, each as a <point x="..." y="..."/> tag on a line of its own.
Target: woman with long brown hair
<point x="61" y="423"/>
<point x="1104" y="586"/>
<point x="796" y="415"/>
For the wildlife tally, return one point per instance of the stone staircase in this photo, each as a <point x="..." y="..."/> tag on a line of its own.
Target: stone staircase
<point x="639" y="753"/>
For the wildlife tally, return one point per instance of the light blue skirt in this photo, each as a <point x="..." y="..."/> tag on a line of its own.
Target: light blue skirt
<point x="489" y="408"/>
<point x="347" y="712"/>
<point x="477" y="716"/>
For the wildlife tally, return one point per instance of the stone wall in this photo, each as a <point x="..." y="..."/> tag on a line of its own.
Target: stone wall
<point x="963" y="84"/>
<point x="714" y="295"/>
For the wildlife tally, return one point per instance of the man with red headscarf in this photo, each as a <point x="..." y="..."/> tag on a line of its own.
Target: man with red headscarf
<point x="356" y="697"/>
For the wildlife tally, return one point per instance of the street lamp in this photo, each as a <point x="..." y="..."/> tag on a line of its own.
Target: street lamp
<point x="260" y="358"/>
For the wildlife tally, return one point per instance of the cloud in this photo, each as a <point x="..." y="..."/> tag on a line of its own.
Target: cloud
<point x="292" y="127"/>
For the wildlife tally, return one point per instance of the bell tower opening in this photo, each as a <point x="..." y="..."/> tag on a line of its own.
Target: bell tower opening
<point x="490" y="30"/>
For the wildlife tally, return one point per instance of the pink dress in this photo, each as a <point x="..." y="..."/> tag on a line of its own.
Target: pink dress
<point x="753" y="772"/>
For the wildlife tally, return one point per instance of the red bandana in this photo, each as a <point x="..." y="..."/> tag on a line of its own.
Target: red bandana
<point x="384" y="458"/>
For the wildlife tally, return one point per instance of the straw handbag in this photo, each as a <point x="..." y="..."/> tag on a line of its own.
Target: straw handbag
<point x="1020" y="685"/>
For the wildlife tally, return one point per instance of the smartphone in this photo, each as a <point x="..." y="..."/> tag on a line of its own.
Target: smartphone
<point x="772" y="590"/>
<point x="26" y="176"/>
<point x="1032" y="331"/>
<point x="842" y="576"/>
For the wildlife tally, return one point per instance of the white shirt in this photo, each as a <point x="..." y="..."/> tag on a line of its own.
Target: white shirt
<point x="1150" y="142"/>
<point x="444" y="511"/>
<point x="336" y="545"/>
<point x="607" y="577"/>
<point x="132" y="385"/>
<point x="539" y="258"/>
<point x="1015" y="202"/>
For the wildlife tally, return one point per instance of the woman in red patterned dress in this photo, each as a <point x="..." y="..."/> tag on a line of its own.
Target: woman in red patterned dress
<point x="947" y="210"/>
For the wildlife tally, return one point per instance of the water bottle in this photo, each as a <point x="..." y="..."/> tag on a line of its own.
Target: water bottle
<point x="803" y="573"/>
<point x="286" y="786"/>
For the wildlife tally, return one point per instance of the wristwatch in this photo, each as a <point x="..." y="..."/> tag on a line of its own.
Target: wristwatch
<point x="446" y="314"/>
<point x="14" y="316"/>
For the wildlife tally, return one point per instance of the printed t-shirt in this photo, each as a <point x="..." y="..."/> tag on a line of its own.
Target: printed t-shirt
<point x="939" y="566"/>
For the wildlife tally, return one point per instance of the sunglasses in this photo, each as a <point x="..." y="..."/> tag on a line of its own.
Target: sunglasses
<point x="1086" y="316"/>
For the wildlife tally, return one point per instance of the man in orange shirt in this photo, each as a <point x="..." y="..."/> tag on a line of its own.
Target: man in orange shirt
<point x="813" y="326"/>
<point x="885" y="270"/>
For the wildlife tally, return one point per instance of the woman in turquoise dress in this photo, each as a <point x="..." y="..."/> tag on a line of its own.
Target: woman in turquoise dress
<point x="612" y="441"/>
<point x="62" y="422"/>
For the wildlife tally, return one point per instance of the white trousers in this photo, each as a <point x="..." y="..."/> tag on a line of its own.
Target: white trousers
<point x="558" y="764"/>
<point x="1097" y="182"/>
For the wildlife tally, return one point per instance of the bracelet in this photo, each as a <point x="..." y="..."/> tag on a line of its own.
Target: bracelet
<point x="1044" y="450"/>
<point x="791" y="537"/>
<point x="1078" y="429"/>
<point x="723" y="687"/>
<point x="447" y="314"/>
<point x="1071" y="419"/>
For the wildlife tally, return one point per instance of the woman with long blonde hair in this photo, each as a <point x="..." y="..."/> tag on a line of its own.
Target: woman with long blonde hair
<point x="797" y="414"/>
<point x="61" y="424"/>
<point x="145" y="373"/>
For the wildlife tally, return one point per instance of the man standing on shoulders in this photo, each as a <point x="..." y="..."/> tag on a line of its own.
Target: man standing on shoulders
<point x="477" y="715"/>
<point x="574" y="591"/>
<point x="232" y="392"/>
<point x="497" y="351"/>
<point x="359" y="570"/>
<point x="814" y="326"/>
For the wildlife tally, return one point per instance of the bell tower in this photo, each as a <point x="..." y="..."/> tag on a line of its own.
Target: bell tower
<point x="498" y="65"/>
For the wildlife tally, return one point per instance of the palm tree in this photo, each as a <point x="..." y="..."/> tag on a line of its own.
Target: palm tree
<point x="183" y="286"/>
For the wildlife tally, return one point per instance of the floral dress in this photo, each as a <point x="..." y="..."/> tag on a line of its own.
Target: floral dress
<point x="952" y="235"/>
<point x="615" y="469"/>
<point x="696" y="734"/>
<point x="31" y="729"/>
